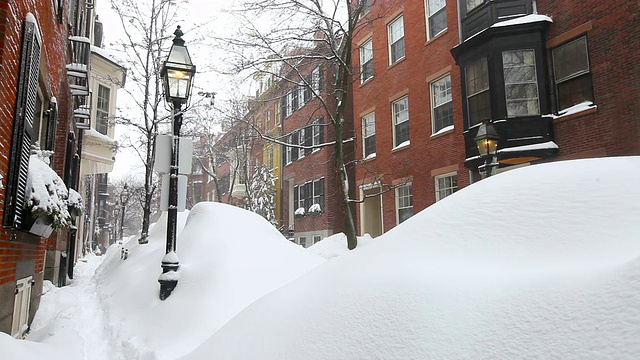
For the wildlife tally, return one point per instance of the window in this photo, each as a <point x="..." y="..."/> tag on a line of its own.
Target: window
<point x="102" y="109"/>
<point x="302" y="240"/>
<point x="572" y="74"/>
<point x="369" y="135"/>
<point x="267" y="120"/>
<point x="302" y="94"/>
<point x="472" y="4"/>
<point x="277" y="113"/>
<point x="316" y="239"/>
<point x="288" y="151"/>
<point x="404" y="195"/>
<point x="316" y="80"/>
<point x="520" y="83"/>
<point x="396" y="40"/>
<point x="318" y="193"/>
<point x="270" y="158"/>
<point x="302" y="141"/>
<point x="400" y="109"/>
<point x="366" y="60"/>
<point x="441" y="104"/>
<point x="446" y="185"/>
<point x="366" y="7"/>
<point x="308" y="194"/>
<point x="437" y="17"/>
<point x="318" y="134"/>
<point x="478" y="96"/>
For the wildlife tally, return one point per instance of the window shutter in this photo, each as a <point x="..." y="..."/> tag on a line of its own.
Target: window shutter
<point x="295" y="198"/>
<point x="321" y="129"/>
<point x="27" y="93"/>
<point x="320" y="78"/>
<point x="51" y="126"/>
<point x="68" y="162"/>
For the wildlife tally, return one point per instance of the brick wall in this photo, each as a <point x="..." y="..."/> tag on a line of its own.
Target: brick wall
<point x="424" y="61"/>
<point x="613" y="42"/>
<point x="23" y="247"/>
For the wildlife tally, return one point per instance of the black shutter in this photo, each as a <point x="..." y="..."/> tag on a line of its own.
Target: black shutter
<point x="294" y="149"/>
<point x="51" y="126"/>
<point x="295" y="198"/>
<point x="68" y="161"/>
<point x="320" y="78"/>
<point x="27" y="93"/>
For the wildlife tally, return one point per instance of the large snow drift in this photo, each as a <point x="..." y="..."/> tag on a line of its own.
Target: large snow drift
<point x="539" y="262"/>
<point x="229" y="257"/>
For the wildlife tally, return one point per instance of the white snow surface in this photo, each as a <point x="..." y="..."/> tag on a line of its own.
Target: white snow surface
<point x="540" y="262"/>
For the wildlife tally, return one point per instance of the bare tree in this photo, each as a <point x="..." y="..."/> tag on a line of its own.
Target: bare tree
<point x="295" y="34"/>
<point x="148" y="27"/>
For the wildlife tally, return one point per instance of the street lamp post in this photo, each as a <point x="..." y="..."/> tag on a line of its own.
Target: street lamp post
<point x="487" y="142"/>
<point x="124" y="197"/>
<point x="177" y="74"/>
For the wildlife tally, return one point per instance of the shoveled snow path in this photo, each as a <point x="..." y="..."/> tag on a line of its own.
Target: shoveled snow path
<point x="79" y="322"/>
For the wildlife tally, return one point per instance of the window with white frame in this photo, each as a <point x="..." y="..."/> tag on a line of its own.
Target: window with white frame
<point x="317" y="134"/>
<point x="366" y="60"/>
<point x="396" y="40"/>
<point x="102" y="109"/>
<point x="317" y="238"/>
<point x="520" y="83"/>
<point x="316" y="80"/>
<point x="572" y="74"/>
<point x="302" y="240"/>
<point x="318" y="193"/>
<point x="267" y="117"/>
<point x="441" y="104"/>
<point x="446" y="184"/>
<point x="301" y="94"/>
<point x="288" y="158"/>
<point x="369" y="135"/>
<point x="478" y="96"/>
<point x="400" y="114"/>
<point x="277" y="112"/>
<point x="302" y="141"/>
<point x="437" y="17"/>
<point x="404" y="196"/>
<point x="270" y="162"/>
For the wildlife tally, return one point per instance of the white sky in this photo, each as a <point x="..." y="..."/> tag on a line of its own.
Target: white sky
<point x="538" y="262"/>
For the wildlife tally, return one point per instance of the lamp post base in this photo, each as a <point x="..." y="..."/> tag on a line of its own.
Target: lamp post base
<point x="168" y="279"/>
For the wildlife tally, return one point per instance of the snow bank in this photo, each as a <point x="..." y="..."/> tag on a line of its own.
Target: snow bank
<point x="229" y="257"/>
<point x="538" y="262"/>
<point x="336" y="245"/>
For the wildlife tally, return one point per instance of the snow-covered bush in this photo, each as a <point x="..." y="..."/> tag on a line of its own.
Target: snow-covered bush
<point x="46" y="194"/>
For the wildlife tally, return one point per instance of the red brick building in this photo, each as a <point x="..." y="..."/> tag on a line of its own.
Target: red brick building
<point x="37" y="105"/>
<point x="555" y="80"/>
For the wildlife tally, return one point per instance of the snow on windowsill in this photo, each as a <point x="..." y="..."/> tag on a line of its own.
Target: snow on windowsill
<point x="370" y="156"/>
<point x="539" y="146"/>
<point x="527" y="19"/>
<point x="444" y="130"/>
<point x="402" y="145"/>
<point x="578" y="109"/>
